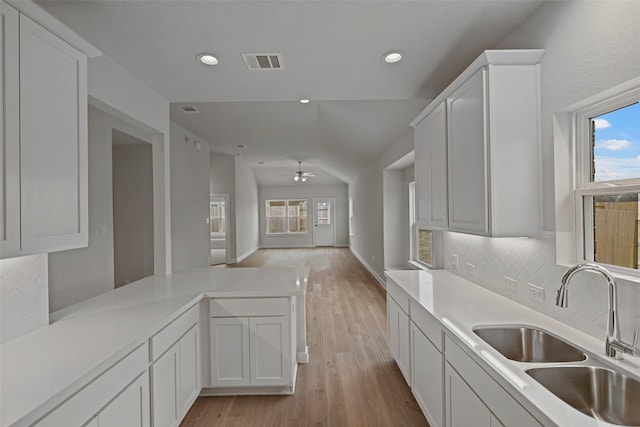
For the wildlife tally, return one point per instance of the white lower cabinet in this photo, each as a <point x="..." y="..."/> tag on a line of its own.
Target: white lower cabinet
<point x="471" y="392"/>
<point x="464" y="407"/>
<point x="398" y="336"/>
<point x="230" y="351"/>
<point x="427" y="364"/>
<point x="130" y="408"/>
<point x="175" y="374"/>
<point x="252" y="350"/>
<point x="117" y="397"/>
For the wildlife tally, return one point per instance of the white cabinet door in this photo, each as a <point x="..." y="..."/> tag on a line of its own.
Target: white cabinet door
<point x="398" y="337"/>
<point x="130" y="408"/>
<point x="230" y="351"/>
<point x="431" y="168"/>
<point x="427" y="365"/>
<point x="9" y="133"/>
<point x="189" y="369"/>
<point x="53" y="141"/>
<point x="270" y="350"/>
<point x="165" y="372"/>
<point x="464" y="407"/>
<point x="467" y="155"/>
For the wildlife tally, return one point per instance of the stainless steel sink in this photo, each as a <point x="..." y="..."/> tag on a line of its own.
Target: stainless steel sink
<point x="601" y="393"/>
<point x="527" y="344"/>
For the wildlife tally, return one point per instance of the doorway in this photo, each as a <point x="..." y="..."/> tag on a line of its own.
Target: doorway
<point x="324" y="227"/>
<point x="133" y="230"/>
<point x="218" y="228"/>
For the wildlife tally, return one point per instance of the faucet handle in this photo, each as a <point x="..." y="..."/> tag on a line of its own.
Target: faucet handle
<point x="625" y="347"/>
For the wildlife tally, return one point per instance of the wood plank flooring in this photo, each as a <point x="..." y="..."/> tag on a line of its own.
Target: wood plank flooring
<point x="351" y="378"/>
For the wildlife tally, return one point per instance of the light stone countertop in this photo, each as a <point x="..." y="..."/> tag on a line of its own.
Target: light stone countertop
<point x="460" y="305"/>
<point x="43" y="368"/>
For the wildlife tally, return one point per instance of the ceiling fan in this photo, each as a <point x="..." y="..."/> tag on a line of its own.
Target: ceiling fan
<point x="300" y="175"/>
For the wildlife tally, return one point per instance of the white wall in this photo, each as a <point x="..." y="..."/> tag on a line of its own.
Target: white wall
<point x="395" y="205"/>
<point x="115" y="90"/>
<point x="189" y="200"/>
<point x="367" y="192"/>
<point x="247" y="235"/>
<point x="305" y="191"/>
<point x="590" y="46"/>
<point x="78" y="274"/>
<point x="132" y="212"/>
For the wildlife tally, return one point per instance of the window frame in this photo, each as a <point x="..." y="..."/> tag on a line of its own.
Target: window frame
<point x="572" y="158"/>
<point x="286" y="217"/>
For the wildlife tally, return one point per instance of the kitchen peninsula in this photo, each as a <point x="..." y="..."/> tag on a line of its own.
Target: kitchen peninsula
<point x="101" y="359"/>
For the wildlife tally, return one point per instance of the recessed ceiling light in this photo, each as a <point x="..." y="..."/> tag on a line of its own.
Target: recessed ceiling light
<point x="207" y="59"/>
<point x="304" y="101"/>
<point x="393" y="57"/>
<point x="261" y="163"/>
<point x="241" y="146"/>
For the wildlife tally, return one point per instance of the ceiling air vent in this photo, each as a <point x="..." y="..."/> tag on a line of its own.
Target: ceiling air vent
<point x="263" y="61"/>
<point x="189" y="109"/>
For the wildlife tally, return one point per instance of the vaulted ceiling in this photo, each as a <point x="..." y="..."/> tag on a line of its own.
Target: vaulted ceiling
<point x="331" y="54"/>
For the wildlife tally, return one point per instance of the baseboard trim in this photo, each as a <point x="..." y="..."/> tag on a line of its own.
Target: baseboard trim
<point x="370" y="269"/>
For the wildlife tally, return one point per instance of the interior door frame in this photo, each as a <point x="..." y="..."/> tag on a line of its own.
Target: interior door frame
<point x="333" y="216"/>
<point x="227" y="238"/>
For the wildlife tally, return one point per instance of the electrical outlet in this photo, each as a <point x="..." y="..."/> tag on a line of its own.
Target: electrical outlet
<point x="454" y="261"/>
<point x="510" y="284"/>
<point x="536" y="293"/>
<point x="471" y="269"/>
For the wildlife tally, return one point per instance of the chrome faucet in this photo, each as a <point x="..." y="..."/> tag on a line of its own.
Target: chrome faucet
<point x="614" y="346"/>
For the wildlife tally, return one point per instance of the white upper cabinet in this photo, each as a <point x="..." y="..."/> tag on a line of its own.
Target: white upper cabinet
<point x="9" y="133"/>
<point x="492" y="141"/>
<point x="430" y="137"/>
<point x="44" y="140"/>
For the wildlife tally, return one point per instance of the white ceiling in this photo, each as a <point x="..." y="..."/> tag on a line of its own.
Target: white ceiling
<point x="331" y="52"/>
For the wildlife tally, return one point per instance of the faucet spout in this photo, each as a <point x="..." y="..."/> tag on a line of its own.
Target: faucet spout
<point x="614" y="346"/>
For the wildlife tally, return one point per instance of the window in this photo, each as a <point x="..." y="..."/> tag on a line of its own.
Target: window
<point x="412" y="220"/>
<point x="286" y="216"/>
<point x="324" y="213"/>
<point x="607" y="186"/>
<point x="216" y="219"/>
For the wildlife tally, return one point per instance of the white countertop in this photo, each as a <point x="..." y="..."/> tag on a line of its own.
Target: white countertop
<point x="43" y="368"/>
<point x="461" y="305"/>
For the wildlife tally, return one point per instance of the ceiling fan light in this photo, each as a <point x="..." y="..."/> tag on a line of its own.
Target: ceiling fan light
<point x="304" y="178"/>
<point x="296" y="178"/>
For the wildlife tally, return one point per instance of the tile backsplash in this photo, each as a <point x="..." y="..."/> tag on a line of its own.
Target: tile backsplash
<point x="24" y="295"/>
<point x="487" y="261"/>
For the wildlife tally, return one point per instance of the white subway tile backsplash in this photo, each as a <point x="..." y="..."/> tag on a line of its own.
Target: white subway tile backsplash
<point x="533" y="261"/>
<point x="24" y="295"/>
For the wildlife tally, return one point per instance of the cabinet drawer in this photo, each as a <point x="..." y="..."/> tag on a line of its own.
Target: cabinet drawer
<point x="171" y="333"/>
<point x="86" y="403"/>
<point x="428" y="324"/>
<point x="234" y="307"/>
<point x="499" y="402"/>
<point x="398" y="294"/>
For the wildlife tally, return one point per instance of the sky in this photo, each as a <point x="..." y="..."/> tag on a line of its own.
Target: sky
<point x="617" y="150"/>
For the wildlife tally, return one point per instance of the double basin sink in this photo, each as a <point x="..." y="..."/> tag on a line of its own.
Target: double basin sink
<point x="599" y="392"/>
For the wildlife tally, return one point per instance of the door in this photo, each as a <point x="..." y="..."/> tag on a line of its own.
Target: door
<point x="9" y="133"/>
<point x="165" y="373"/>
<point x="218" y="227"/>
<point x="53" y="141"/>
<point x="270" y="350"/>
<point x="130" y="408"/>
<point x="467" y="157"/>
<point x="464" y="407"/>
<point x="427" y="365"/>
<point x="229" y="351"/>
<point x="324" y="222"/>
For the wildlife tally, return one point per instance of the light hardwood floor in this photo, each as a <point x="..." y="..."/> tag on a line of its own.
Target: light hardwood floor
<point x="351" y="378"/>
